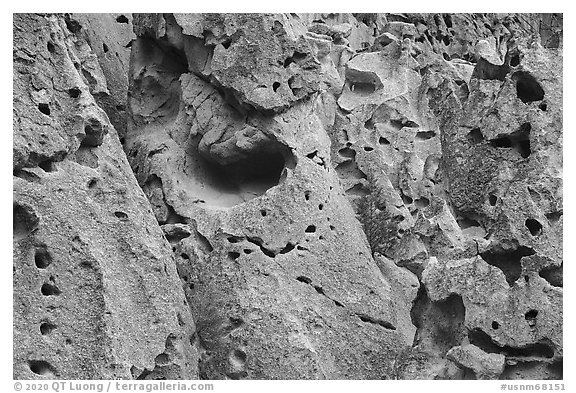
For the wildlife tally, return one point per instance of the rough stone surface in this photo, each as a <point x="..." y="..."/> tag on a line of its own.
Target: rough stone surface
<point x="484" y="365"/>
<point x="346" y="196"/>
<point x="109" y="37"/>
<point x="96" y="291"/>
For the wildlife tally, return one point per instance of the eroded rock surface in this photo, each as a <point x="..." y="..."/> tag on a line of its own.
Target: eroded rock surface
<point x="273" y="247"/>
<point x="346" y="196"/>
<point x="96" y="291"/>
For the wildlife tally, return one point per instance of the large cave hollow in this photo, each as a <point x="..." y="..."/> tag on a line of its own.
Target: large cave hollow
<point x="221" y="180"/>
<point x="220" y="185"/>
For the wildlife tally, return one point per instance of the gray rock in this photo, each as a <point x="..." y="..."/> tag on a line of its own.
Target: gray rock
<point x="288" y="196"/>
<point x="484" y="365"/>
<point x="96" y="291"/>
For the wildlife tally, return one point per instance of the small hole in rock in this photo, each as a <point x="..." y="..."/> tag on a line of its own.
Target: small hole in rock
<point x="383" y="141"/>
<point x="368" y="148"/>
<point x="312" y="155"/>
<point x="92" y="183"/>
<point x="310" y="229"/>
<point x="466" y="223"/>
<point x="289" y="247"/>
<point x="24" y="221"/>
<point x="42" y="258"/>
<point x="94" y="131"/>
<point x="425" y="135"/>
<point x="42" y="367"/>
<point x="233" y="255"/>
<point x="422" y="202"/>
<point x="128" y="45"/>
<point x="492" y="199"/>
<point x="74" y="92"/>
<point x="347" y="152"/>
<point x="121" y="215"/>
<point x="275" y="86"/>
<point x="248" y="251"/>
<point x="184" y="256"/>
<point x="363" y="88"/>
<point x="553" y="274"/>
<point x="295" y="85"/>
<point x="73" y="25"/>
<point x="44" y="108"/>
<point x="502" y="142"/>
<point x="522" y="140"/>
<point x="239" y="356"/>
<point x="495" y="325"/>
<point x="307" y="195"/>
<point x="527" y="87"/>
<point x="50" y="47"/>
<point x="543" y="106"/>
<point x="104" y="47"/>
<point x="554" y="217"/>
<point x="534" y="226"/>
<point x="295" y="58"/>
<point x="509" y="261"/>
<point x="515" y="60"/>
<point x="406" y="199"/>
<point x="530" y="316"/>
<point x="162" y="360"/>
<point x="320" y="206"/>
<point x="236" y="322"/>
<point x="263" y="213"/>
<point x="86" y="265"/>
<point x="304" y="279"/>
<point x="50" y="290"/>
<point x="475" y="136"/>
<point x="122" y="19"/>
<point x="47" y="165"/>
<point x="46" y="328"/>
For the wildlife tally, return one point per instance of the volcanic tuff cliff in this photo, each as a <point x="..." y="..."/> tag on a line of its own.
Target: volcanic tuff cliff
<point x="323" y="196"/>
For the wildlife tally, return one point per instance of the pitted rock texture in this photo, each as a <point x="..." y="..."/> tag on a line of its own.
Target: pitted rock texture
<point x="96" y="291"/>
<point x="109" y="37"/>
<point x="272" y="242"/>
<point x="346" y="196"/>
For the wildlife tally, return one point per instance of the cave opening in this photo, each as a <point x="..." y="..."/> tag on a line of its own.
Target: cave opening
<point x="509" y="261"/>
<point x="253" y="174"/>
<point x="527" y="87"/>
<point x="225" y="184"/>
<point x="518" y="141"/>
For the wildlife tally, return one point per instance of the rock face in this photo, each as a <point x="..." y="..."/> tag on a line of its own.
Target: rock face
<point x="109" y="37"/>
<point x="292" y="196"/>
<point x="96" y="291"/>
